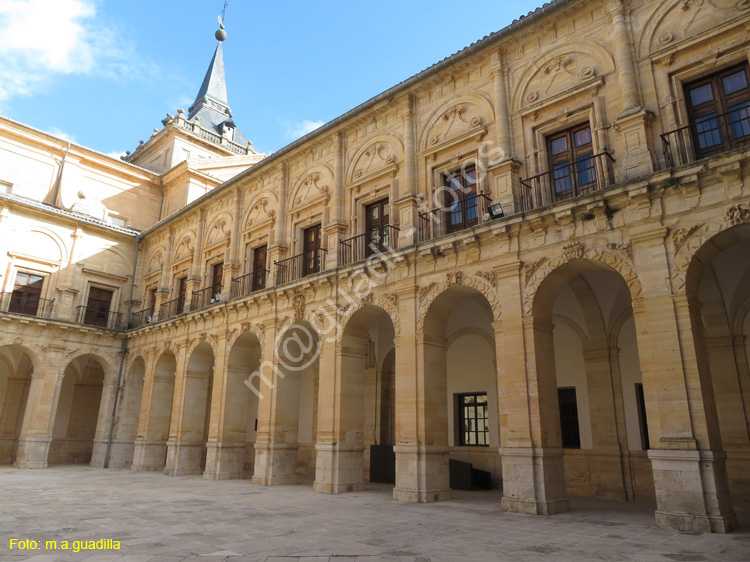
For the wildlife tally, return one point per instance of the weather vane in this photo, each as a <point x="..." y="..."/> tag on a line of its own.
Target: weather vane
<point x="221" y="34"/>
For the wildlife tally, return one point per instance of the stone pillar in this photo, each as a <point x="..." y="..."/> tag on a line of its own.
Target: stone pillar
<point x="195" y="279"/>
<point x="276" y="442"/>
<point x="185" y="447"/>
<point x="532" y="454"/>
<point x="623" y="51"/>
<point x="225" y="455"/>
<point x="280" y="247"/>
<point x="421" y="411"/>
<point x="406" y="206"/>
<point x="690" y="478"/>
<point x="340" y="446"/>
<point x="500" y="71"/>
<point x="39" y="418"/>
<point x="154" y="421"/>
<point x="233" y="263"/>
<point x="335" y="227"/>
<point x="666" y="100"/>
<point x="104" y="421"/>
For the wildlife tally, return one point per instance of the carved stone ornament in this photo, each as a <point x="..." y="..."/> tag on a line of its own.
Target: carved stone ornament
<point x="530" y="268"/>
<point x="742" y="5"/>
<point x="681" y="234"/>
<point x="422" y="293"/>
<point x="454" y="278"/>
<point x="666" y="38"/>
<point x="587" y="73"/>
<point x="573" y="251"/>
<point x="298" y="303"/>
<point x="737" y="215"/>
<point x="532" y="97"/>
<point x="488" y="276"/>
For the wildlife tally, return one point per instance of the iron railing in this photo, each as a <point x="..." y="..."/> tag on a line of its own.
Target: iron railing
<point x="141" y="318"/>
<point x="377" y="241"/>
<point x="249" y="283"/>
<point x="28" y="305"/>
<point x="300" y="266"/>
<point x="568" y="181"/>
<point x="99" y="316"/>
<point x="205" y="297"/>
<point x="171" y="308"/>
<point x="462" y="213"/>
<point x="707" y="136"/>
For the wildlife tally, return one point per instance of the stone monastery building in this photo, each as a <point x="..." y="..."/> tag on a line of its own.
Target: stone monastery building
<point x="533" y="256"/>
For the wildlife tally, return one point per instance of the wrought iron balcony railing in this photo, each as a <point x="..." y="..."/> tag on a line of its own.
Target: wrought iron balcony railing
<point x="141" y="318"/>
<point x="205" y="297"/>
<point x="707" y="136"/>
<point x="99" y="317"/>
<point x="377" y="241"/>
<point x="297" y="267"/>
<point x="463" y="213"/>
<point x="249" y="283"/>
<point x="28" y="305"/>
<point x="568" y="181"/>
<point x="171" y="308"/>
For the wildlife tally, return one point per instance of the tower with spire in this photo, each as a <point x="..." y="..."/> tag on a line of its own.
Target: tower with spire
<point x="199" y="150"/>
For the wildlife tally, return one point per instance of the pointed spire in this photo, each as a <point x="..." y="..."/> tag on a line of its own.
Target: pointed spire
<point x="214" y="84"/>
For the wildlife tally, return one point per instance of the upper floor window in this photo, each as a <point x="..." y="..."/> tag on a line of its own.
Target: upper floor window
<point x="27" y="292"/>
<point x="719" y="110"/>
<point x="461" y="204"/>
<point x="311" y="259"/>
<point x="377" y="233"/>
<point x="97" y="307"/>
<point x="217" y="278"/>
<point x="260" y="258"/>
<point x="571" y="161"/>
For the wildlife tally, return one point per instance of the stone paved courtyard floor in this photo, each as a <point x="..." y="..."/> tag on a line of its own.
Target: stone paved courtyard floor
<point x="161" y="519"/>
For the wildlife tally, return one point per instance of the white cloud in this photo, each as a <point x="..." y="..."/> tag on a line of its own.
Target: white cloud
<point x="60" y="134"/>
<point x="43" y="38"/>
<point x="297" y="129"/>
<point x="115" y="155"/>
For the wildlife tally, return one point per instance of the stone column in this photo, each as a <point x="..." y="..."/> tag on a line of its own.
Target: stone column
<point x="104" y="421"/>
<point x="165" y="280"/>
<point x="336" y="228"/>
<point x="690" y="478"/>
<point x="340" y="446"/>
<point x="406" y="206"/>
<point x="421" y="411"/>
<point x="623" y="50"/>
<point x="666" y="100"/>
<point x="225" y="455"/>
<point x="280" y="247"/>
<point x="195" y="279"/>
<point x="184" y="450"/>
<point x="233" y="263"/>
<point x="499" y="73"/>
<point x="531" y="451"/>
<point x="276" y="442"/>
<point x="39" y="418"/>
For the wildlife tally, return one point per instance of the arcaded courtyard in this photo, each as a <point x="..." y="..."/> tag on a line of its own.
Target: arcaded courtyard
<point x="158" y="519"/>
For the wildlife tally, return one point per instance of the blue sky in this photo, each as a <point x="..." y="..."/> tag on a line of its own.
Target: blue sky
<point x="103" y="73"/>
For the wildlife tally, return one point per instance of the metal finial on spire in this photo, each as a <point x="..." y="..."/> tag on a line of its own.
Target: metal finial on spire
<point x="221" y="33"/>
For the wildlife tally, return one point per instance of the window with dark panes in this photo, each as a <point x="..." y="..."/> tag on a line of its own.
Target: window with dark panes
<point x="719" y="109"/>
<point x="376" y="219"/>
<point x="311" y="251"/>
<point x="571" y="161"/>
<point x="260" y="257"/>
<point x="461" y="199"/>
<point x="97" y="307"/>
<point x="571" y="435"/>
<point x="473" y="423"/>
<point x="26" y="294"/>
<point x="217" y="278"/>
<point x="181" y="290"/>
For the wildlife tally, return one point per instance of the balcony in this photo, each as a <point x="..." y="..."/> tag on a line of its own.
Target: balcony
<point x="141" y="318"/>
<point x="568" y="181"/>
<point x="359" y="248"/>
<point x="205" y="297"/>
<point x="28" y="305"/>
<point x="300" y="266"/>
<point x="707" y="136"/>
<point x="99" y="317"/>
<point x="464" y="213"/>
<point x="249" y="283"/>
<point x="172" y="308"/>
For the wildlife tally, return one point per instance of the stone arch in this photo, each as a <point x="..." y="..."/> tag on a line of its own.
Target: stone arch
<point x="50" y="240"/>
<point x="32" y="352"/>
<point x="594" y="61"/>
<point x="465" y="114"/>
<point x="155" y="259"/>
<point x="262" y="209"/>
<point x="203" y="337"/>
<point x="314" y="186"/>
<point x="482" y="281"/>
<point x="220" y="228"/>
<point x="105" y="361"/>
<point x="612" y="256"/>
<point x="376" y="156"/>
<point x="184" y="248"/>
<point x="387" y="305"/>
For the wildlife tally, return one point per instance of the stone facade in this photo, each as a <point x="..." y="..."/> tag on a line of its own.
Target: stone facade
<point x="592" y="337"/>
